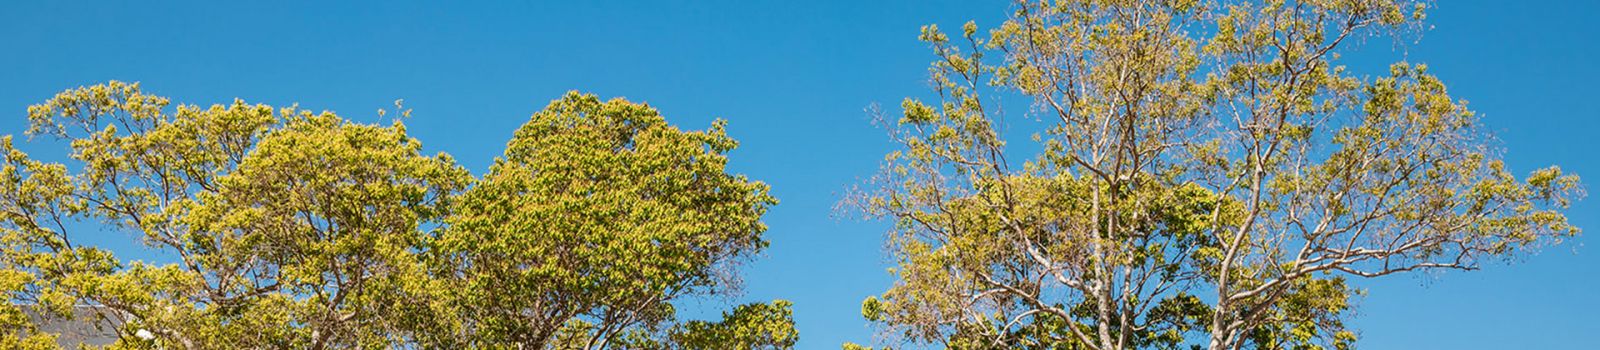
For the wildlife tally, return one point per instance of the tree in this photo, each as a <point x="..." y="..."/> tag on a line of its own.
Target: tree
<point x="596" y="219"/>
<point x="1208" y="175"/>
<point x="750" y="326"/>
<point x="288" y="228"/>
<point x="291" y="229"/>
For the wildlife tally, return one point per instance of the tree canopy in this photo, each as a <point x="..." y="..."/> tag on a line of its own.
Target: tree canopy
<point x="597" y="217"/>
<point x="1209" y="175"/>
<point x="1201" y="174"/>
<point x="292" y="229"/>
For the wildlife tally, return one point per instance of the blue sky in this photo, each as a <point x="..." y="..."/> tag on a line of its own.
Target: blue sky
<point x="793" y="79"/>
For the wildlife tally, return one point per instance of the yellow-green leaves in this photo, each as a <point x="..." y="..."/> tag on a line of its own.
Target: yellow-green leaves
<point x="1196" y="150"/>
<point x="83" y="109"/>
<point x="750" y="326"/>
<point x="601" y="214"/>
<point x="290" y="229"/>
<point x="916" y="112"/>
<point x="287" y="229"/>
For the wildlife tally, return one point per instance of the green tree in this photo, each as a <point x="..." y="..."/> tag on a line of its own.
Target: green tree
<point x="750" y="326"/>
<point x="1208" y="176"/>
<point x="598" y="217"/>
<point x="291" y="229"/>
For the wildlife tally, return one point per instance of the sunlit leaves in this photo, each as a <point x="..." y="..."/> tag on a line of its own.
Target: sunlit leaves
<point x="1208" y="171"/>
<point x="597" y="218"/>
<point x="292" y="229"/>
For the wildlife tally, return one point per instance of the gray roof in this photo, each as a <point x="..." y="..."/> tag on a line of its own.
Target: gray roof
<point x="89" y="325"/>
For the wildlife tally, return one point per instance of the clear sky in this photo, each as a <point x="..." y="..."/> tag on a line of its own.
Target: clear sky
<point x="793" y="78"/>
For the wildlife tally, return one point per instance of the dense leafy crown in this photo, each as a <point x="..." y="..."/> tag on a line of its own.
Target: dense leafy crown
<point x="600" y="215"/>
<point x="284" y="228"/>
<point x="1209" y="176"/>
<point x="289" y="229"/>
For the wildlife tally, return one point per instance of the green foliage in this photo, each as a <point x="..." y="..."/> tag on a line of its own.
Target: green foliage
<point x="292" y="229"/>
<point x="752" y="326"/>
<point x="1209" y="177"/>
<point x="601" y="213"/>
